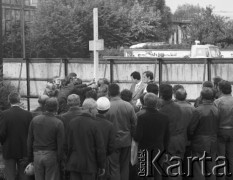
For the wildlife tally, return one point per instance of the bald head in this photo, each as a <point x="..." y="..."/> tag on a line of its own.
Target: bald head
<point x="180" y="94"/>
<point x="73" y="100"/>
<point x="89" y="103"/>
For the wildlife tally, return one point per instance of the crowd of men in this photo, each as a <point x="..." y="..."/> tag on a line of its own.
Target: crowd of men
<point x="87" y="131"/>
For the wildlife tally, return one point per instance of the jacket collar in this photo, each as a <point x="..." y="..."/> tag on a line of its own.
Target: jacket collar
<point x="115" y="98"/>
<point x="75" y="108"/>
<point x="205" y="102"/>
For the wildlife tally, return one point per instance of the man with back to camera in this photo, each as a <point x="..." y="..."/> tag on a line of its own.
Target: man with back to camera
<point x="202" y="132"/>
<point x="107" y="130"/>
<point x="225" y="128"/>
<point x="86" y="151"/>
<point x="137" y="87"/>
<point x="152" y="132"/>
<point x="45" y="142"/>
<point x="122" y="115"/>
<point x="13" y="136"/>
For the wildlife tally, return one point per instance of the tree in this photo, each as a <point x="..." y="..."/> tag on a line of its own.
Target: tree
<point x="187" y="11"/>
<point x="208" y="27"/>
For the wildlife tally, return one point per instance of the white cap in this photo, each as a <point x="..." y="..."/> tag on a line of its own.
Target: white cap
<point x="103" y="104"/>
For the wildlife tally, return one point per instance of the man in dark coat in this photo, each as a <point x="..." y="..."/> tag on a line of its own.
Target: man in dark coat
<point x="202" y="132"/>
<point x="106" y="128"/>
<point x="14" y="127"/>
<point x="176" y="145"/>
<point x="86" y="151"/>
<point x="45" y="142"/>
<point x="39" y="110"/>
<point x="152" y="132"/>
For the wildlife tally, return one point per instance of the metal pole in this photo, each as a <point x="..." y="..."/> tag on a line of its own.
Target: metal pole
<point x="28" y="83"/>
<point x="1" y="52"/>
<point x="23" y="28"/>
<point x="209" y="69"/>
<point x="111" y="70"/>
<point x="160" y="71"/>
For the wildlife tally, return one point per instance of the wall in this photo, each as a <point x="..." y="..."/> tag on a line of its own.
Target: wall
<point x="186" y="72"/>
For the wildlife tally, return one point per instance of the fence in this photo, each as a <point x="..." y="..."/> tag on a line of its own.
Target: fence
<point x="34" y="73"/>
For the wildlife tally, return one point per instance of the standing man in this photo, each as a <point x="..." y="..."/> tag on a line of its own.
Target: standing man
<point x="225" y="129"/>
<point x="202" y="132"/>
<point x="137" y="87"/>
<point x="152" y="132"/>
<point x="13" y="136"/>
<point x="45" y="142"/>
<point x="176" y="145"/>
<point x="122" y="115"/>
<point x="86" y="151"/>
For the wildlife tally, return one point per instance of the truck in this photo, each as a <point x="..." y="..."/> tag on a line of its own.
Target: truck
<point x="197" y="51"/>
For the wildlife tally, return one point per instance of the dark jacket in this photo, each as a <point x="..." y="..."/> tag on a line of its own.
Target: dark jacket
<point x="38" y="111"/>
<point x="176" y="126"/>
<point x="86" y="151"/>
<point x="46" y="132"/>
<point x="202" y="130"/>
<point x="108" y="133"/>
<point x="187" y="112"/>
<point x="66" y="118"/>
<point x="152" y="130"/>
<point x="14" y="125"/>
<point x="123" y="117"/>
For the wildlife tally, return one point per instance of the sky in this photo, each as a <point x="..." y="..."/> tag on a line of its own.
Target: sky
<point x="221" y="7"/>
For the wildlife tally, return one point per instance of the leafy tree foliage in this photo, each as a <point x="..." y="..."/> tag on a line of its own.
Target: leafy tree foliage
<point x="63" y="28"/>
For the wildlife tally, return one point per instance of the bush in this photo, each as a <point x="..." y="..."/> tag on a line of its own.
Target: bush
<point x="5" y="89"/>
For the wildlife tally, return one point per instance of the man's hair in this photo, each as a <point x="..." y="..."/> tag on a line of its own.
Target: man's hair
<point x="149" y="74"/>
<point x="14" y="98"/>
<point x="152" y="88"/>
<point x="42" y="99"/>
<point x="73" y="100"/>
<point x="208" y="84"/>
<point x="126" y="95"/>
<point x="176" y="87"/>
<point x="225" y="87"/>
<point x="165" y="90"/>
<point x="181" y="94"/>
<point x="91" y="94"/>
<point x="142" y="98"/>
<point x="150" y="100"/>
<point x="136" y="75"/>
<point x="71" y="75"/>
<point x="89" y="103"/>
<point x="216" y="80"/>
<point x="51" y="105"/>
<point x="207" y="93"/>
<point x="113" y="90"/>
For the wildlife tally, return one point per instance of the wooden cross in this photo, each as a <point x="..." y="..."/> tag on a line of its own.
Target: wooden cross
<point x="96" y="45"/>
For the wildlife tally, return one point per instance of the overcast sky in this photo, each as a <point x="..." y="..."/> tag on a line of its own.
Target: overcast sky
<point x="222" y="7"/>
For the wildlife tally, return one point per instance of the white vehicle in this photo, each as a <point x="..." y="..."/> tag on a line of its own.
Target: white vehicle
<point x="205" y="51"/>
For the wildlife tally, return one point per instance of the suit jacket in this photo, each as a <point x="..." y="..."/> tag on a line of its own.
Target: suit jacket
<point x="14" y="126"/>
<point x="136" y="94"/>
<point x="86" y="150"/>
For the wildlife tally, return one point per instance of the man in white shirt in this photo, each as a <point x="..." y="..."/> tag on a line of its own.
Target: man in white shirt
<point x="137" y="87"/>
